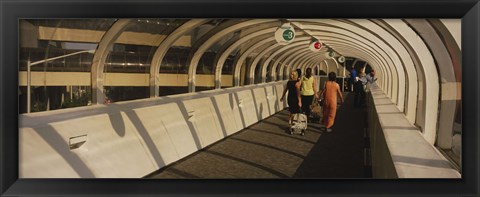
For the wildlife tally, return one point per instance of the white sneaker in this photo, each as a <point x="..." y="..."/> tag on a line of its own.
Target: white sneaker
<point x="329" y="130"/>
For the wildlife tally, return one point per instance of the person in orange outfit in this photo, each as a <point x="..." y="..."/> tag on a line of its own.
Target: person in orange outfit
<point x="329" y="94"/>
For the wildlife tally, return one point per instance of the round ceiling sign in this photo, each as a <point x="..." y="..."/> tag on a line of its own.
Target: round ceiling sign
<point x="285" y="34"/>
<point x="329" y="54"/>
<point x="315" y="46"/>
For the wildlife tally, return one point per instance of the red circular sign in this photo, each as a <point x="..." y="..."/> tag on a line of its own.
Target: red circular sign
<point x="317" y="45"/>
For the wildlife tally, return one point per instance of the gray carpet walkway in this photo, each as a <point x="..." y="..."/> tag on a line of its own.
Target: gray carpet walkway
<point x="267" y="150"/>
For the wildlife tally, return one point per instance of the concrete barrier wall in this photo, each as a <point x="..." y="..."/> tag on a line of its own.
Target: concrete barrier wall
<point x="135" y="138"/>
<point x="397" y="147"/>
<point x="382" y="164"/>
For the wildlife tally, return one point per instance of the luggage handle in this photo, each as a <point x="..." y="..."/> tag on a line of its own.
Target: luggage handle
<point x="300" y="112"/>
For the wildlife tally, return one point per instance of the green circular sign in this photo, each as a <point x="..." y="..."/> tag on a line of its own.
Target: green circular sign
<point x="331" y="53"/>
<point x="288" y="34"/>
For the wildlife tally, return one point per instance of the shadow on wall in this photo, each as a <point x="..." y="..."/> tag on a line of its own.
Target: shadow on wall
<point x="217" y="111"/>
<point x="257" y="110"/>
<point x="90" y="152"/>
<point x="152" y="132"/>
<point x="58" y="144"/>
<point x="117" y="123"/>
<point x="242" y="114"/>
<point x="147" y="139"/>
<point x="187" y="117"/>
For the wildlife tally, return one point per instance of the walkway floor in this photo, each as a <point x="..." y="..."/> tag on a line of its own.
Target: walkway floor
<point x="267" y="150"/>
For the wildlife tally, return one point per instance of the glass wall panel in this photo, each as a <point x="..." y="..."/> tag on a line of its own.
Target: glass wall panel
<point x="53" y="47"/>
<point x="227" y="68"/>
<point x="253" y="56"/>
<point x="127" y="67"/>
<point x="206" y="66"/>
<point x="258" y="69"/>
<point x="269" y="71"/>
<point x="174" y="66"/>
<point x="456" y="150"/>
<point x="449" y="31"/>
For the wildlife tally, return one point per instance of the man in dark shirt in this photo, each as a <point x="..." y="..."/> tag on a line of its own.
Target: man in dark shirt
<point x="353" y="75"/>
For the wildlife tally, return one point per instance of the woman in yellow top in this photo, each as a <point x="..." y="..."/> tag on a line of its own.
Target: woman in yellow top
<point x="329" y="94"/>
<point x="308" y="90"/>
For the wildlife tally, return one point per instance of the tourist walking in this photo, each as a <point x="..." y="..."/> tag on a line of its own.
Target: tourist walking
<point x="329" y="94"/>
<point x="308" y="91"/>
<point x="294" y="100"/>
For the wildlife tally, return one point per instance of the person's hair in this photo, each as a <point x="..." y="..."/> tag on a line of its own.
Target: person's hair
<point x="332" y="76"/>
<point x="299" y="72"/>
<point x="294" y="75"/>
<point x="308" y="72"/>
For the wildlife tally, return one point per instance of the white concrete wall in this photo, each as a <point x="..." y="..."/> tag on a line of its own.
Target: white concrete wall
<point x="398" y="148"/>
<point x="135" y="138"/>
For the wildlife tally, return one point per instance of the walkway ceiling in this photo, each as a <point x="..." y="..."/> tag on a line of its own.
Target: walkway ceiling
<point x="395" y="48"/>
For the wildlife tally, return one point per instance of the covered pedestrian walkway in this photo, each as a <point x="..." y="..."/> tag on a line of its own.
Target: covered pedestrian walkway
<point x="144" y="97"/>
<point x="178" y="98"/>
<point x="267" y="150"/>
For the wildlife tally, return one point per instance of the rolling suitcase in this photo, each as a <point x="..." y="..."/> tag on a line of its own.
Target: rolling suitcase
<point x="299" y="124"/>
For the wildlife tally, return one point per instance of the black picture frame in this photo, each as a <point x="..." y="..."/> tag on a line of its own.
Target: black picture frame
<point x="11" y="11"/>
